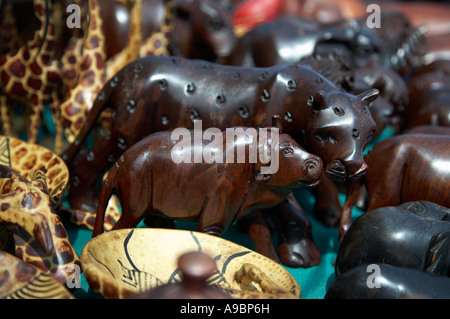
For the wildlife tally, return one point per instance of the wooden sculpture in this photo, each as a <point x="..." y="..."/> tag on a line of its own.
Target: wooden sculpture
<point x="31" y="74"/>
<point x="429" y="96"/>
<point x="412" y="235"/>
<point x="117" y="264"/>
<point x="331" y="123"/>
<point x="91" y="75"/>
<point x="196" y="268"/>
<point x="296" y="246"/>
<point x="291" y="39"/>
<point x="403" y="168"/>
<point x="158" y="176"/>
<point x="288" y="39"/>
<point x="390" y="283"/>
<point x="324" y="120"/>
<point x="39" y="235"/>
<point x="202" y="30"/>
<point x="21" y="280"/>
<point x="190" y="29"/>
<point x="388" y="109"/>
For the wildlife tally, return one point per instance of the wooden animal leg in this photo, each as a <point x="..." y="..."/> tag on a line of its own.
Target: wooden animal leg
<point x="83" y="190"/>
<point x="260" y="234"/>
<point x="36" y="111"/>
<point x="328" y="207"/>
<point x="214" y="217"/>
<point x="296" y="246"/>
<point x="57" y="121"/>
<point x="346" y="217"/>
<point x="5" y="116"/>
<point x="134" y="192"/>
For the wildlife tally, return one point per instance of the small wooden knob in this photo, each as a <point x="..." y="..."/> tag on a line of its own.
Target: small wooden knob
<point x="196" y="267"/>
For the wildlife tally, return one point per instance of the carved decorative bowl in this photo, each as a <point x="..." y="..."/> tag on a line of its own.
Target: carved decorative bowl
<point x="25" y="157"/>
<point x="21" y="280"/>
<point x="122" y="263"/>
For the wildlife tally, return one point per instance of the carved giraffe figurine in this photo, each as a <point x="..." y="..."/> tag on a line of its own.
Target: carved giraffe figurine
<point x="158" y="42"/>
<point x="71" y="57"/>
<point x="9" y="36"/>
<point x="31" y="75"/>
<point x="131" y="49"/>
<point x="39" y="235"/>
<point x="92" y="76"/>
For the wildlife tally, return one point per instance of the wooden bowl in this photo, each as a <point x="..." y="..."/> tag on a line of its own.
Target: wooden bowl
<point x="25" y="157"/>
<point x="21" y="280"/>
<point x="125" y="262"/>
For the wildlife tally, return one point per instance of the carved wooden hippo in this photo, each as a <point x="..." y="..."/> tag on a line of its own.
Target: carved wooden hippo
<point x="412" y="235"/>
<point x="429" y="98"/>
<point x="404" y="168"/>
<point x="202" y="29"/>
<point x="159" y="176"/>
<point x="161" y="93"/>
<point x="288" y="39"/>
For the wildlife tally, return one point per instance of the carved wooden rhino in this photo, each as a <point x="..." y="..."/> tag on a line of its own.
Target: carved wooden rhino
<point x="159" y="176"/>
<point x="161" y="93"/>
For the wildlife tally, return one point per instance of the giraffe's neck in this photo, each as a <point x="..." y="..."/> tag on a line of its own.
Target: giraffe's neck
<point x="73" y="53"/>
<point x="42" y="11"/>
<point x="131" y="50"/>
<point x="91" y="77"/>
<point x="158" y="42"/>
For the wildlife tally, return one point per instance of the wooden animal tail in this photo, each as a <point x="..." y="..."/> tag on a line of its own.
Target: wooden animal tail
<point x="109" y="188"/>
<point x="98" y="107"/>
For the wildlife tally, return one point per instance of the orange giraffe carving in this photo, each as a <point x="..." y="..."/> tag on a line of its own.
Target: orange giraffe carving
<point x="158" y="42"/>
<point x="131" y="49"/>
<point x="9" y="37"/>
<point x="91" y="76"/>
<point x="39" y="235"/>
<point x="155" y="44"/>
<point x="31" y="75"/>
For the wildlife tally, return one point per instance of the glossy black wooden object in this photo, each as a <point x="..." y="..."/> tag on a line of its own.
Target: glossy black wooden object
<point x="394" y="283"/>
<point x="195" y="268"/>
<point x="413" y="235"/>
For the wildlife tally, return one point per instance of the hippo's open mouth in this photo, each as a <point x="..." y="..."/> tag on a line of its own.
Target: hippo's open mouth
<point x="338" y="173"/>
<point x="310" y="184"/>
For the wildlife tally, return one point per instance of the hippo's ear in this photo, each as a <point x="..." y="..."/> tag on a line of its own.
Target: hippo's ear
<point x="369" y="96"/>
<point x="262" y="178"/>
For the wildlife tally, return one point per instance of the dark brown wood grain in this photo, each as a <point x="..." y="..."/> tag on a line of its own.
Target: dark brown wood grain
<point x="149" y="179"/>
<point x="403" y="168"/>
